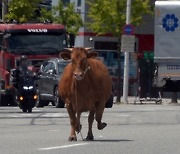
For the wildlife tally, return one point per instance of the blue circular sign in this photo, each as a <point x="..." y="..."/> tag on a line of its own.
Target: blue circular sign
<point x="170" y="22"/>
<point x="128" y="29"/>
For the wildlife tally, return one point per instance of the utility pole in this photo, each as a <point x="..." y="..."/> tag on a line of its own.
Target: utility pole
<point x="4" y="8"/>
<point x="126" y="58"/>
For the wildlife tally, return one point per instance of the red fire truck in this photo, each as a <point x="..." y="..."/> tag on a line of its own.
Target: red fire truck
<point x="38" y="41"/>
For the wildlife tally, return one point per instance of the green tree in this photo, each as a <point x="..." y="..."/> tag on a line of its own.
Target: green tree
<point x="109" y="16"/>
<point x="45" y="15"/>
<point x="22" y="10"/>
<point x="68" y="17"/>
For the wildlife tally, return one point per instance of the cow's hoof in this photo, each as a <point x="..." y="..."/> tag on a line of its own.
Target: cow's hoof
<point x="78" y="128"/>
<point x="102" y="125"/>
<point x="90" y="138"/>
<point x="72" y="138"/>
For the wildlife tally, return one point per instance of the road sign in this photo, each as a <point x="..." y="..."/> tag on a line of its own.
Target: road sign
<point x="128" y="29"/>
<point x="127" y="43"/>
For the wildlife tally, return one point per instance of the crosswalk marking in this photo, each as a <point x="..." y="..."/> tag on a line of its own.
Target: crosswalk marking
<point x="45" y="115"/>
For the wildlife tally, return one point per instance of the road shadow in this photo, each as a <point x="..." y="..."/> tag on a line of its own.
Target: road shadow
<point x="109" y="140"/>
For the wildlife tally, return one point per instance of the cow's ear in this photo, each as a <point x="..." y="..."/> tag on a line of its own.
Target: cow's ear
<point x="92" y="54"/>
<point x="65" y="55"/>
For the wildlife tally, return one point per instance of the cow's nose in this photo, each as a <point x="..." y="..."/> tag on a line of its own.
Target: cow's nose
<point x="78" y="75"/>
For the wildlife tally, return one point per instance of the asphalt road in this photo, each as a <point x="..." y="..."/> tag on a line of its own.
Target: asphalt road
<point x="132" y="129"/>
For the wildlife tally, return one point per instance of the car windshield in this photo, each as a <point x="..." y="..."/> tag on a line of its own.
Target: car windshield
<point x="36" y="44"/>
<point x="61" y="66"/>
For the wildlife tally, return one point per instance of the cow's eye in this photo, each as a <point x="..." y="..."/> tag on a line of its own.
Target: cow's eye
<point x="73" y="61"/>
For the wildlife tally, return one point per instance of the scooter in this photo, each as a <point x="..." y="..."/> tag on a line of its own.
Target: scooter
<point x="25" y="95"/>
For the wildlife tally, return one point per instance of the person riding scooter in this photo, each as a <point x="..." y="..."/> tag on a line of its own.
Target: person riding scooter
<point x="25" y="95"/>
<point x="23" y="70"/>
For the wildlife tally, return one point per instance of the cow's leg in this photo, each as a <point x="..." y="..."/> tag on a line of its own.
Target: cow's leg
<point x="78" y="126"/>
<point x="90" y="136"/>
<point x="73" y="122"/>
<point x="99" y="113"/>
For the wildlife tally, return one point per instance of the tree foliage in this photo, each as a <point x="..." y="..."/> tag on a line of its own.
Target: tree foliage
<point x="109" y="16"/>
<point x="22" y="10"/>
<point x="45" y="15"/>
<point x="68" y="17"/>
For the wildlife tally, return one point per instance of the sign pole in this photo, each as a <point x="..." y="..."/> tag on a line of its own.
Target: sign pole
<point x="126" y="58"/>
<point x="4" y="8"/>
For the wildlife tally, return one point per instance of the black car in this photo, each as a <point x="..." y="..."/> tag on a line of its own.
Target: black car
<point x="47" y="84"/>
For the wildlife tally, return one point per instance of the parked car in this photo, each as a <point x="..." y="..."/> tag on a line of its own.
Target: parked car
<point x="47" y="83"/>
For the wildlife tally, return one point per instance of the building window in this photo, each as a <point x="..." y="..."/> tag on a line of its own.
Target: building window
<point x="66" y="2"/>
<point x="79" y="3"/>
<point x="106" y="45"/>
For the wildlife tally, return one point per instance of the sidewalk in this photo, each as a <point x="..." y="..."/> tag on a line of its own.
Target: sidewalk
<point x="135" y="100"/>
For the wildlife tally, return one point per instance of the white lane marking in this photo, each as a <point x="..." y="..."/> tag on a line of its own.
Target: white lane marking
<point x="123" y="115"/>
<point x="54" y="130"/>
<point x="61" y="147"/>
<point x="46" y="115"/>
<point x="55" y="115"/>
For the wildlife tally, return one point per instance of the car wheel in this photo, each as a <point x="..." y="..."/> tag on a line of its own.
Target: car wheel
<point x="109" y="103"/>
<point x="57" y="101"/>
<point x="39" y="102"/>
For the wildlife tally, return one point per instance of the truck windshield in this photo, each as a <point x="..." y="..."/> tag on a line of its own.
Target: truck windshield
<point x="36" y="44"/>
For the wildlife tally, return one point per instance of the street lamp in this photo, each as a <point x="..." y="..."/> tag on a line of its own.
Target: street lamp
<point x="4" y="8"/>
<point x="126" y="57"/>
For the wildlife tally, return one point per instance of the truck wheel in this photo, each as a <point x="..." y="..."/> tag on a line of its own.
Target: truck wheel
<point x="1" y="100"/>
<point x="4" y="101"/>
<point x="57" y="101"/>
<point x="0" y="95"/>
<point x="7" y="100"/>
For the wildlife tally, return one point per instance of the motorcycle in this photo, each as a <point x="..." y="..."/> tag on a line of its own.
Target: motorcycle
<point x="25" y="93"/>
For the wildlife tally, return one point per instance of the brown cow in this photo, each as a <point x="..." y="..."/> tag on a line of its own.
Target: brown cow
<point x="85" y="86"/>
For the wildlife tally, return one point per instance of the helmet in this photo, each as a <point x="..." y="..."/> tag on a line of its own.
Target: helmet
<point x="23" y="57"/>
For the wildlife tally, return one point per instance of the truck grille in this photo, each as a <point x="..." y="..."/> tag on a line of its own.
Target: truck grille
<point x="35" y="62"/>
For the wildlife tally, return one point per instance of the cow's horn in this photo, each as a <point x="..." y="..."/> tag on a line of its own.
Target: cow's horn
<point x="88" y="49"/>
<point x="70" y="49"/>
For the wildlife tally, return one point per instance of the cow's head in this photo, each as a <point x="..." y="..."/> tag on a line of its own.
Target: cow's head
<point x="79" y="60"/>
